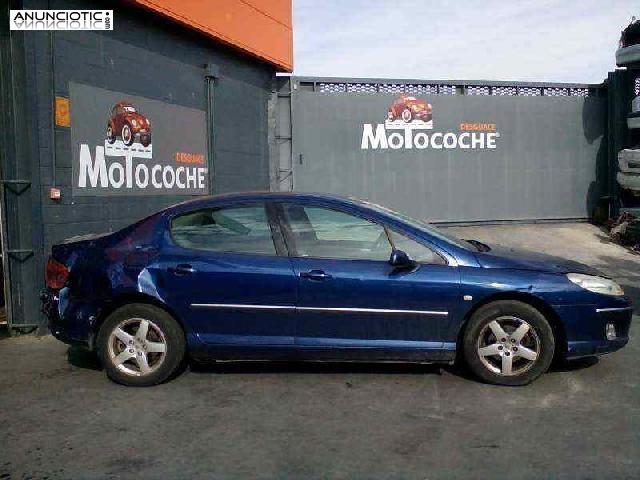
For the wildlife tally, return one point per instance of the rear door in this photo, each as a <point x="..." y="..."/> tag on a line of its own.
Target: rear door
<point x="226" y="272"/>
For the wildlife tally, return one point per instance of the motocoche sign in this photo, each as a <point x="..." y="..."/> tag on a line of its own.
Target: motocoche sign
<point x="129" y="145"/>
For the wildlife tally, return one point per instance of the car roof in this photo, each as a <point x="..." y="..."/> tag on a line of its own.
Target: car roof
<point x="241" y="197"/>
<point x="256" y="196"/>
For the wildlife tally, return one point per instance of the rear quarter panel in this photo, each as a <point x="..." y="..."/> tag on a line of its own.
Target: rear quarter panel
<point x="102" y="270"/>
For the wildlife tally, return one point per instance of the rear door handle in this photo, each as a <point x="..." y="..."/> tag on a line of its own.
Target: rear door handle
<point x="182" y="269"/>
<point x="315" y="275"/>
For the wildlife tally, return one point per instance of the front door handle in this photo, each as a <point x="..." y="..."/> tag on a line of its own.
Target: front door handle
<point x="182" y="269"/>
<point x="315" y="275"/>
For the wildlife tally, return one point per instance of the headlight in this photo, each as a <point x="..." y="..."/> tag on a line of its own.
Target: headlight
<point x="134" y="122"/>
<point x="596" y="284"/>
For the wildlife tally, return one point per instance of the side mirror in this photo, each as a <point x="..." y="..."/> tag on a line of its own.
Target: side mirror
<point x="400" y="260"/>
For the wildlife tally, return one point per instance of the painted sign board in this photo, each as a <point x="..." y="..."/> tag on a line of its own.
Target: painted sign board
<point x="453" y="158"/>
<point x="127" y="145"/>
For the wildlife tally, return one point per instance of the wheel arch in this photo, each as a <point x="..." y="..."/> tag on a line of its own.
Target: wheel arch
<point x="126" y="299"/>
<point x="539" y="304"/>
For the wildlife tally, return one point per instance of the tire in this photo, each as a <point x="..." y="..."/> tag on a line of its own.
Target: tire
<point x="480" y="337"/>
<point x="127" y="135"/>
<point x="121" y="349"/>
<point x="146" y="141"/>
<point x="111" y="136"/>
<point x="407" y="115"/>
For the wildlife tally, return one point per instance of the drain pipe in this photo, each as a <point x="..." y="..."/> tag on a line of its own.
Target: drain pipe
<point x="52" y="129"/>
<point x="212" y="73"/>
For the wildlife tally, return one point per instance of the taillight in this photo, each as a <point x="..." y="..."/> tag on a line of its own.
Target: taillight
<point x="57" y="274"/>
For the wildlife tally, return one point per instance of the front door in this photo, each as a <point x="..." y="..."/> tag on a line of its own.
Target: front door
<point x="350" y="297"/>
<point x="228" y="278"/>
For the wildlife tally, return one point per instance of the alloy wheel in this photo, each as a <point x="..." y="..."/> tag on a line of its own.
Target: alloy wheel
<point x="126" y="134"/>
<point x="137" y="347"/>
<point x="508" y="346"/>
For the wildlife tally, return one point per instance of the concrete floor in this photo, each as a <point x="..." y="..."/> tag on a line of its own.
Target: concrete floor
<point x="61" y="418"/>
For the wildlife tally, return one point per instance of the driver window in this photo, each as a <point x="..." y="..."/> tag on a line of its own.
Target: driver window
<point x="325" y="233"/>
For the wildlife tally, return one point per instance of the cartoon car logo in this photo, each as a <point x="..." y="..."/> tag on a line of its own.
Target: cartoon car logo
<point x="408" y="109"/>
<point x="127" y="123"/>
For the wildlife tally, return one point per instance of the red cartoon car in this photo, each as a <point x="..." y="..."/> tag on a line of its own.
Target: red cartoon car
<point x="127" y="123"/>
<point x="409" y="109"/>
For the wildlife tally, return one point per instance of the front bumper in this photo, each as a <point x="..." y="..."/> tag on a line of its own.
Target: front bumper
<point x="144" y="136"/>
<point x="423" y="115"/>
<point x="593" y="348"/>
<point x="586" y="329"/>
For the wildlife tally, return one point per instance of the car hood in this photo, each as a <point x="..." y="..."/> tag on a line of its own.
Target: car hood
<point x="514" y="258"/>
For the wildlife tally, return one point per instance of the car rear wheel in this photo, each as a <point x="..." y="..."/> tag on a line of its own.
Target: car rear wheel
<point x="508" y="343"/>
<point x="140" y="345"/>
<point x="111" y="137"/>
<point x="127" y="135"/>
<point x="407" y="115"/>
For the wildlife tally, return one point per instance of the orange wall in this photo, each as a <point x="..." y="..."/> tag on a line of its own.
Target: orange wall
<point x="260" y="27"/>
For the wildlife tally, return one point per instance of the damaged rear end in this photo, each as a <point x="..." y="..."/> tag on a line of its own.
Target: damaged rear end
<point x="66" y="270"/>
<point x="85" y="274"/>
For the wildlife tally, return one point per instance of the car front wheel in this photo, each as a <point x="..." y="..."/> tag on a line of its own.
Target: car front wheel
<point x="407" y="115"/>
<point x="127" y="135"/>
<point x="140" y="345"/>
<point x="508" y="343"/>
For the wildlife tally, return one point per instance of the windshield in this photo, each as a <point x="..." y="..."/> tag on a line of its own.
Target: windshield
<point x="129" y="109"/>
<point x="430" y="229"/>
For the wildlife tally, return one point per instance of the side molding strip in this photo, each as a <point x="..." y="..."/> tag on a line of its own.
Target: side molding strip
<point x="242" y="306"/>
<point x="370" y="310"/>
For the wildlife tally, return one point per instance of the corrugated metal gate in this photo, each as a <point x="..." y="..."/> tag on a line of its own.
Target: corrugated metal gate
<point x="465" y="151"/>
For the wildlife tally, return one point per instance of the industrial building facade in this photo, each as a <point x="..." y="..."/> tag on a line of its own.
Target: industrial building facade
<point x="185" y="90"/>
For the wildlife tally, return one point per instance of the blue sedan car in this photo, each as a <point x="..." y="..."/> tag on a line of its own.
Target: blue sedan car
<point x="295" y="276"/>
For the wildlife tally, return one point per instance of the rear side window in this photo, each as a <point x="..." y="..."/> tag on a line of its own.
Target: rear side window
<point x="232" y="230"/>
